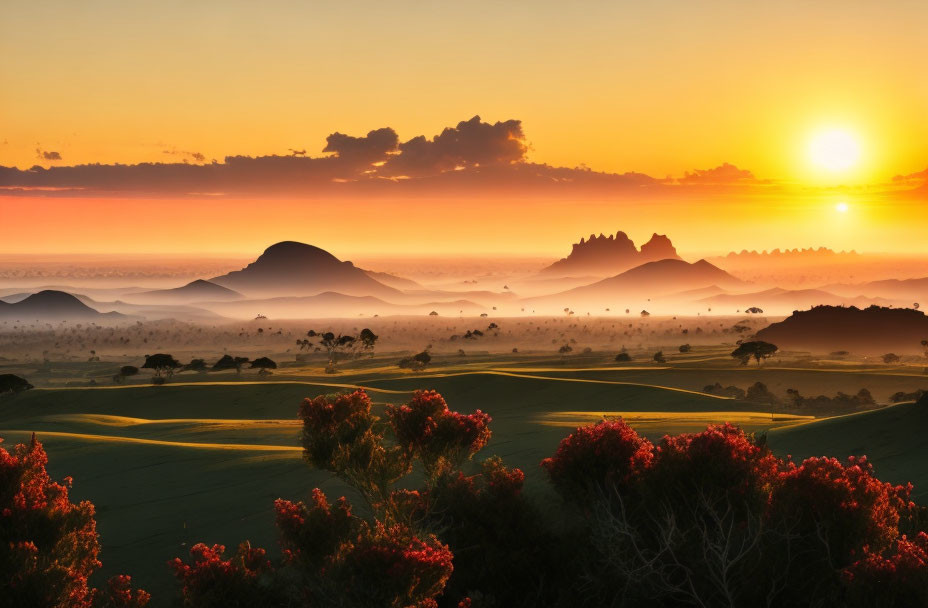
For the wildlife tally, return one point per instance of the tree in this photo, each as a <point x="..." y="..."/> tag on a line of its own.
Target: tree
<point x="659" y="357"/>
<point x="10" y="383"/>
<point x="645" y="313"/>
<point x="163" y="364"/>
<point x="49" y="545"/>
<point x="195" y="365"/>
<point x="230" y="362"/>
<point x="263" y="364"/>
<point x="417" y="362"/>
<point x="757" y="350"/>
<point x="623" y="357"/>
<point x="890" y="358"/>
<point x="685" y="348"/>
<point x="125" y="372"/>
<point x="347" y="346"/>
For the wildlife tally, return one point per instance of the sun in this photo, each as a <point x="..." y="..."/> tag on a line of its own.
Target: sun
<point x="835" y="150"/>
<point x="841" y="207"/>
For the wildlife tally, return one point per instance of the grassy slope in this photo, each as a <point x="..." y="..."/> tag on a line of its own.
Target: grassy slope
<point x="893" y="438"/>
<point x="155" y="499"/>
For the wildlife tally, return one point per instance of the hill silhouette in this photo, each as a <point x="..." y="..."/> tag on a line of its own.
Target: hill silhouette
<point x="910" y="289"/>
<point x="649" y="280"/>
<point x="193" y="291"/>
<point x="52" y="305"/>
<point x="780" y="300"/>
<point x="873" y="330"/>
<point x="294" y="269"/>
<point x="606" y="256"/>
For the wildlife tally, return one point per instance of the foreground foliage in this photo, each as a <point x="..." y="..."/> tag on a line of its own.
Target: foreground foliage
<point x="703" y="519"/>
<point x="49" y="545"/>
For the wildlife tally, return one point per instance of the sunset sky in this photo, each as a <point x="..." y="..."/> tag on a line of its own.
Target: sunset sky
<point x="823" y="103"/>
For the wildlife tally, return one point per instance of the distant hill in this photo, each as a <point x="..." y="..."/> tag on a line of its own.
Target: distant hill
<point x="52" y="305"/>
<point x="915" y="290"/>
<point x="198" y="290"/>
<point x="778" y="299"/>
<point x="808" y="254"/>
<point x="649" y="280"/>
<point x="392" y="280"/>
<point x="607" y="256"/>
<point x="872" y="330"/>
<point x="297" y="269"/>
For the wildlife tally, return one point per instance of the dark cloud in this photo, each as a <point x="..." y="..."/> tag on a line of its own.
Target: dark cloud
<point x="47" y="154"/>
<point x="724" y="174"/>
<point x="373" y="147"/>
<point x="194" y="156"/>
<point x="470" y="159"/>
<point x="471" y="143"/>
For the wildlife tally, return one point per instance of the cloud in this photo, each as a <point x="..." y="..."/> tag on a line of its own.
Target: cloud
<point x="471" y="143"/>
<point x="472" y="158"/>
<point x="47" y="154"/>
<point x="917" y="178"/>
<point x="373" y="147"/>
<point x="194" y="156"/>
<point x="724" y="174"/>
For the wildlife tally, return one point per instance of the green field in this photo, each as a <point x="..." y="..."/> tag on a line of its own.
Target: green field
<point x="200" y="460"/>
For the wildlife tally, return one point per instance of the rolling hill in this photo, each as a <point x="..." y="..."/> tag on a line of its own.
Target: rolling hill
<point x="892" y="438"/>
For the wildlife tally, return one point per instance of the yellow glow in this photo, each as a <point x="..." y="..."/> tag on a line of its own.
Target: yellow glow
<point x="836" y="150"/>
<point x="841" y="207"/>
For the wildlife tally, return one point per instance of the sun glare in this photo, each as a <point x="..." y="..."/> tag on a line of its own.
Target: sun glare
<point x="835" y="150"/>
<point x="841" y="207"/>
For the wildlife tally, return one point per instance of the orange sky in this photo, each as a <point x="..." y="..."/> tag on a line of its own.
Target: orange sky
<point x="660" y="87"/>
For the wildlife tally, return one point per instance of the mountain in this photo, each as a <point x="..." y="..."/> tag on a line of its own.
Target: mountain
<point x="873" y="330"/>
<point x="198" y="290"/>
<point x="607" y="256"/>
<point x="779" y="300"/>
<point x="52" y="305"/>
<point x="644" y="282"/>
<point x="297" y="269"/>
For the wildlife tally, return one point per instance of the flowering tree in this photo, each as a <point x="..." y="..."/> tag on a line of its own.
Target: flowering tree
<point x="49" y="545"/>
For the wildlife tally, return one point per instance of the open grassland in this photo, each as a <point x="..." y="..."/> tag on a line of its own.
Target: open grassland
<point x="203" y="457"/>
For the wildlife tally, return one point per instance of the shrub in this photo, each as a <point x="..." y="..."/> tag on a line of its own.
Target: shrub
<point x="896" y="578"/>
<point x="213" y="581"/>
<point x="49" y="545"/>
<point x="426" y="429"/>
<point x="596" y="459"/>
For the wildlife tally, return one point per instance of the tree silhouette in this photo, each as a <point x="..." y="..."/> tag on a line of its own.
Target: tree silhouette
<point x="758" y="350"/>
<point x="163" y="364"/>
<point x="263" y="364"/>
<point x="230" y="362"/>
<point x="10" y="383"/>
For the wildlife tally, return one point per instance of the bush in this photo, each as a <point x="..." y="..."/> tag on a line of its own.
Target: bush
<point x="595" y="459"/>
<point x="49" y="545"/>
